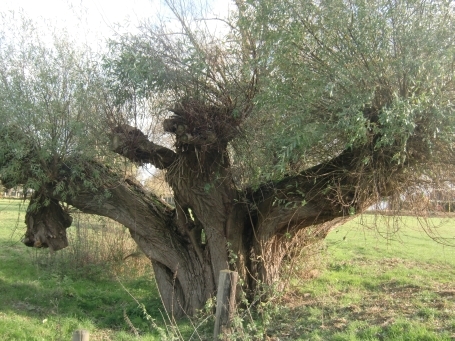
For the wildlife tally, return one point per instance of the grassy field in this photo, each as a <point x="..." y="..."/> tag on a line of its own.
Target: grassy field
<point x="369" y="282"/>
<point x="384" y="279"/>
<point x="41" y="298"/>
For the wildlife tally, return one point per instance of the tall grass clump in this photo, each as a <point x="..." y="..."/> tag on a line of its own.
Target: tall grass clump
<point x="98" y="247"/>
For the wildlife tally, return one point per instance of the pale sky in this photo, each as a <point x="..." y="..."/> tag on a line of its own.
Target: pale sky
<point x="95" y="19"/>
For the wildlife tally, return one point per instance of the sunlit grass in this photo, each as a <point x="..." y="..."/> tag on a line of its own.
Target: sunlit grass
<point x="384" y="279"/>
<point x="39" y="302"/>
<point x="428" y="240"/>
<point x="365" y="287"/>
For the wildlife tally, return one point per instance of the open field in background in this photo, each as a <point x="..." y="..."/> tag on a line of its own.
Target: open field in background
<point x="358" y="285"/>
<point x="379" y="283"/>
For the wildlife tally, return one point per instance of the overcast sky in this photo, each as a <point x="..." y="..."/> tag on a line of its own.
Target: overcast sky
<point x="95" y="20"/>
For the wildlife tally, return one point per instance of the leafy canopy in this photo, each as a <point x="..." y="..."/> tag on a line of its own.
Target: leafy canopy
<point x="305" y="79"/>
<point x="51" y="105"/>
<point x="309" y="78"/>
<point x="340" y="71"/>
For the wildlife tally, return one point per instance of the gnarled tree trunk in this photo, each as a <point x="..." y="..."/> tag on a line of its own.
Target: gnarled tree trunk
<point x="214" y="225"/>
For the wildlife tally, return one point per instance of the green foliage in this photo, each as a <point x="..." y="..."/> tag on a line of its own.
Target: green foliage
<point x="305" y="80"/>
<point x="337" y="72"/>
<point x="175" y="61"/>
<point x="135" y="69"/>
<point x="51" y="105"/>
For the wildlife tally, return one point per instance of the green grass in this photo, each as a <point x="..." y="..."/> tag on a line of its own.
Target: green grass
<point x="403" y="237"/>
<point x="41" y="303"/>
<point x="380" y="283"/>
<point x="361" y="287"/>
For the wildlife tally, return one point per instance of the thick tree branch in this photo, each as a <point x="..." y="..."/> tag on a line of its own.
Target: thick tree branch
<point x="341" y="187"/>
<point x="152" y="224"/>
<point x="144" y="214"/>
<point x="131" y="143"/>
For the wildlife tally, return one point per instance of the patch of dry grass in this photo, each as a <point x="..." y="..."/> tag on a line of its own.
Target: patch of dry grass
<point x="368" y="288"/>
<point x="97" y="247"/>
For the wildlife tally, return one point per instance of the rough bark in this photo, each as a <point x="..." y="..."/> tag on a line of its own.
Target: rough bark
<point x="181" y="277"/>
<point x="46" y="224"/>
<point x="133" y="144"/>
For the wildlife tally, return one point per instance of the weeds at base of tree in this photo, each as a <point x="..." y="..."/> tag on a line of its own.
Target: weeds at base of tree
<point x="170" y="331"/>
<point x="253" y="319"/>
<point x="250" y="322"/>
<point x="98" y="248"/>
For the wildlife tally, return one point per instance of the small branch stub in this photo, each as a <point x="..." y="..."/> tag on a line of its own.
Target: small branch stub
<point x="81" y="335"/>
<point x="225" y="304"/>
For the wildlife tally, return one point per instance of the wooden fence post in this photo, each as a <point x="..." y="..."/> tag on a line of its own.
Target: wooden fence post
<point x="225" y="304"/>
<point x="81" y="335"/>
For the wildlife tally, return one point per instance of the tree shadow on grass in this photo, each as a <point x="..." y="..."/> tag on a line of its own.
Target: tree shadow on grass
<point x="103" y="303"/>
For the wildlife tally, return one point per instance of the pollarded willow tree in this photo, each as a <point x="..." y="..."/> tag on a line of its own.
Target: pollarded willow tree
<point x="292" y="118"/>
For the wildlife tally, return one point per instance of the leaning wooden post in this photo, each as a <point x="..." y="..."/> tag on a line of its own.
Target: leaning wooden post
<point x="225" y="303"/>
<point x="81" y="335"/>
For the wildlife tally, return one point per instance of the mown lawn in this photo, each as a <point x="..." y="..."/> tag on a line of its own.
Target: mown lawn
<point x="370" y="281"/>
